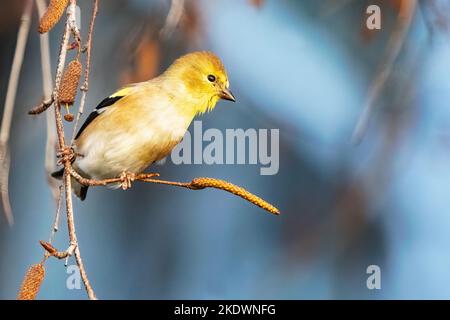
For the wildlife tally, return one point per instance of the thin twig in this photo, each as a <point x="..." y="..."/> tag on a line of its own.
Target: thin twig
<point x="195" y="184"/>
<point x="55" y="226"/>
<point x="5" y="163"/>
<point x="73" y="24"/>
<point x="62" y="145"/>
<point x="104" y="182"/>
<point x="85" y="87"/>
<point x="50" y="147"/>
<point x="393" y="48"/>
<point x="84" y="276"/>
<point x="22" y="37"/>
<point x="53" y="252"/>
<point x="173" y="17"/>
<point x="44" y="105"/>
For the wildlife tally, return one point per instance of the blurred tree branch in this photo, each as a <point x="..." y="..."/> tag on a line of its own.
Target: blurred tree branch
<point x="398" y="36"/>
<point x="22" y="37"/>
<point x="173" y="18"/>
<point x="50" y="148"/>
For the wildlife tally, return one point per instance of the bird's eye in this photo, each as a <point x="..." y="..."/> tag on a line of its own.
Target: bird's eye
<point x="211" y="78"/>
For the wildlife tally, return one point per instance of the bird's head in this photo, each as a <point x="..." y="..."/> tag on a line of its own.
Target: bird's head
<point x="204" y="78"/>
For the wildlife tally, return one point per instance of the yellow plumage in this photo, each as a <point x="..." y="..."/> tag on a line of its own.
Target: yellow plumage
<point x="141" y="123"/>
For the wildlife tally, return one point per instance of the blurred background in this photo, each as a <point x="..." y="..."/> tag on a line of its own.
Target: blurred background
<point x="305" y="67"/>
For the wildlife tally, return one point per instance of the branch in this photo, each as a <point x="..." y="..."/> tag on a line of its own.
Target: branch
<point x="44" y="105"/>
<point x="22" y="36"/>
<point x="61" y="140"/>
<point x="173" y="18"/>
<point x="55" y="226"/>
<point x="53" y="252"/>
<point x="50" y="152"/>
<point x="195" y="184"/>
<point x="85" y="87"/>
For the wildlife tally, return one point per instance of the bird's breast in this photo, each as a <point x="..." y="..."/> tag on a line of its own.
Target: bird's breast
<point x="124" y="143"/>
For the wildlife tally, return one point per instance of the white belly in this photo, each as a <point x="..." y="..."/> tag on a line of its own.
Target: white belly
<point x="109" y="153"/>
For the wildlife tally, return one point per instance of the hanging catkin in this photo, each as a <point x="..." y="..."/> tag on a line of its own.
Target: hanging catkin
<point x="69" y="82"/>
<point x="201" y="183"/>
<point x="32" y="282"/>
<point x="52" y="15"/>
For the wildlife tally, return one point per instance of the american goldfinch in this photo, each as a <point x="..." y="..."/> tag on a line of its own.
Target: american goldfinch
<point x="141" y="123"/>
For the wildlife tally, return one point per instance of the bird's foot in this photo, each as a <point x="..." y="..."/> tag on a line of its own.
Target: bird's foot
<point x="127" y="178"/>
<point x="66" y="154"/>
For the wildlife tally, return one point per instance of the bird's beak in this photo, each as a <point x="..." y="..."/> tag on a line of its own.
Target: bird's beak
<point x="227" y="95"/>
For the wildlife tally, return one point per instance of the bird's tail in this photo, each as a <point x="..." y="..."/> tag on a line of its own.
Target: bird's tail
<point x="79" y="190"/>
<point x="58" y="174"/>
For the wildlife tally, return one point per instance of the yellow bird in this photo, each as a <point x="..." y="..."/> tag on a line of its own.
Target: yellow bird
<point x="141" y="123"/>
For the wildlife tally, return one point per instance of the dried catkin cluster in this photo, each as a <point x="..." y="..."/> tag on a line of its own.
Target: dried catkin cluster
<point x="69" y="83"/>
<point x="200" y="183"/>
<point x="32" y="282"/>
<point x="52" y="15"/>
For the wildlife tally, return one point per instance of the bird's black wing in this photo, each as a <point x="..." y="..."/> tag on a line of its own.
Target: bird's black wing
<point x="98" y="110"/>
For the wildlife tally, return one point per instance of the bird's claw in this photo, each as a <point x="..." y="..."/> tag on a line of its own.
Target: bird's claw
<point x="66" y="154"/>
<point x="127" y="178"/>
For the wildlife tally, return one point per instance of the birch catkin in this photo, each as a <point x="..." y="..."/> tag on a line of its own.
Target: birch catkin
<point x="69" y="83"/>
<point x="201" y="183"/>
<point x="52" y="15"/>
<point x="32" y="282"/>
